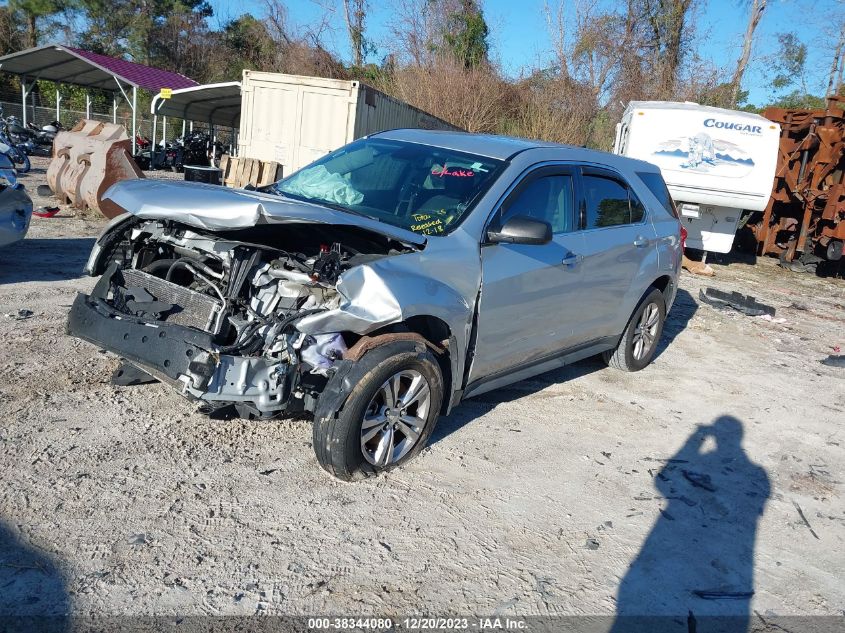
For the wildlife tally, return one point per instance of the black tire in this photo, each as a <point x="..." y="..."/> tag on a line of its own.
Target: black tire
<point x="25" y="164"/>
<point x="623" y="357"/>
<point x="337" y="434"/>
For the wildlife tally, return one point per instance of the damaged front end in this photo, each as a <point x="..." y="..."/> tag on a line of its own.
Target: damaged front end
<point x="214" y="313"/>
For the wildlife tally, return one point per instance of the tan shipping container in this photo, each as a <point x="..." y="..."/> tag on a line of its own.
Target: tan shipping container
<point x="295" y="120"/>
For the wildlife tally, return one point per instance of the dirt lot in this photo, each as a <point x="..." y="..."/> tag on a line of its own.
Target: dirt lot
<point x="586" y="491"/>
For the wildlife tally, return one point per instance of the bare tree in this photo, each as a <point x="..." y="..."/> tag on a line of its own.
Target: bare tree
<point x="298" y="49"/>
<point x="355" y="13"/>
<point x="426" y="31"/>
<point x="590" y="49"/>
<point x="276" y="15"/>
<point x="410" y="31"/>
<point x="834" y="81"/>
<point x="668" y="41"/>
<point x="758" y="7"/>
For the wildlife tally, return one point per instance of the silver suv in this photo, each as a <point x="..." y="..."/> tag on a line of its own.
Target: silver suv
<point x="384" y="283"/>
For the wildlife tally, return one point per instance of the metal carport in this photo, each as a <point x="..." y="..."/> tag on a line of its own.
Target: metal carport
<point x="217" y="104"/>
<point x="68" y="65"/>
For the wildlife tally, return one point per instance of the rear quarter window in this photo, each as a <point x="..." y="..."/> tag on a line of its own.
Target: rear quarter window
<point x="657" y="186"/>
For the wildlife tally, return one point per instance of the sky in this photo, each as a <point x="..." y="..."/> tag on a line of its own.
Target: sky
<point x="520" y="40"/>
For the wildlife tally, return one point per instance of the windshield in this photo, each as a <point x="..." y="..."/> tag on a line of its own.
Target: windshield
<point x="428" y="190"/>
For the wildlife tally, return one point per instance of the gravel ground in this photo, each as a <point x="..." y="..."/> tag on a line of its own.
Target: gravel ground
<point x="584" y="491"/>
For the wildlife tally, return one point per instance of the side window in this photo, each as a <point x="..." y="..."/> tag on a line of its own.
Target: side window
<point x="607" y="202"/>
<point x="657" y="186"/>
<point x="610" y="203"/>
<point x="548" y="198"/>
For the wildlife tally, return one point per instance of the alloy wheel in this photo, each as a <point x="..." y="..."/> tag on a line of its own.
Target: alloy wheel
<point x="646" y="331"/>
<point x="395" y="417"/>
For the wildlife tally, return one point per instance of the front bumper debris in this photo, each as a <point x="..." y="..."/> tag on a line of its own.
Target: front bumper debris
<point x="167" y="351"/>
<point x="186" y="357"/>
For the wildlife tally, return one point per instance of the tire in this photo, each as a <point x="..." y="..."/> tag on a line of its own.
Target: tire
<point x="628" y="356"/>
<point x="26" y="165"/>
<point x="340" y="442"/>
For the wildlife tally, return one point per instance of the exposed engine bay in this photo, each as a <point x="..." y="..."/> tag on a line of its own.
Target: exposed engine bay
<point x="227" y="304"/>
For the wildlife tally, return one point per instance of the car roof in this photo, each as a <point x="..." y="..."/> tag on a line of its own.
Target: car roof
<point x="489" y="145"/>
<point x="505" y="147"/>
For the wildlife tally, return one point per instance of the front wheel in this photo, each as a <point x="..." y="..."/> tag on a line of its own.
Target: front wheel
<point x="25" y="164"/>
<point x="387" y="418"/>
<point x="638" y="344"/>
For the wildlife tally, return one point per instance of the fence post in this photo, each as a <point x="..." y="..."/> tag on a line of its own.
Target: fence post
<point x="23" y="98"/>
<point x="153" y="144"/>
<point x="134" y="117"/>
<point x="87" y="105"/>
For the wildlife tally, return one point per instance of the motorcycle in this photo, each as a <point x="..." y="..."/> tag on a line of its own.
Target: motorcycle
<point x="196" y="150"/>
<point x="16" y="132"/>
<point x="46" y="134"/>
<point x="142" y="154"/>
<point x="161" y="156"/>
<point x="16" y="152"/>
<point x="19" y="136"/>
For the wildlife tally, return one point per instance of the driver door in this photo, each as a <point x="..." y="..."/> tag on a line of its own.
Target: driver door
<point x="528" y="309"/>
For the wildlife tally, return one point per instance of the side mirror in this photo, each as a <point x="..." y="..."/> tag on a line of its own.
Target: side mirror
<point x="522" y="230"/>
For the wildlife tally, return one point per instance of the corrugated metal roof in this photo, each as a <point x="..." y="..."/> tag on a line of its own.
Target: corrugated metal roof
<point x="65" y="64"/>
<point x="219" y="104"/>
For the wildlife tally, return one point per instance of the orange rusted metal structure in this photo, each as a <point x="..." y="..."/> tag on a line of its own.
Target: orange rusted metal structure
<point x="87" y="160"/>
<point x="806" y="213"/>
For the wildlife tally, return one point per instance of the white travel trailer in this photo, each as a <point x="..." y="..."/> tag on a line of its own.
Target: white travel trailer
<point x="717" y="163"/>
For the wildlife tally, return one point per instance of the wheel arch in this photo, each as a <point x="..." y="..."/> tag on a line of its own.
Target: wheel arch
<point x="432" y="331"/>
<point x="668" y="287"/>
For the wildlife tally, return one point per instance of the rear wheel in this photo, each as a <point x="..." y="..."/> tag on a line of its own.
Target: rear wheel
<point x="387" y="418"/>
<point x="639" y="342"/>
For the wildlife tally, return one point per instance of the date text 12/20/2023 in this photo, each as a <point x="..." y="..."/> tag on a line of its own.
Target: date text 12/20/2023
<point x="417" y="624"/>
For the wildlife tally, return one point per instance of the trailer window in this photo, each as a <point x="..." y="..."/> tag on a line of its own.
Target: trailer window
<point x="657" y="186"/>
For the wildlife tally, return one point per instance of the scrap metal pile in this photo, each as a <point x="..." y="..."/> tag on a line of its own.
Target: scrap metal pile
<point x="805" y="218"/>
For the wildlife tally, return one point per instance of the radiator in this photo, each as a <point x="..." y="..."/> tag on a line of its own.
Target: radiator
<point x="194" y="309"/>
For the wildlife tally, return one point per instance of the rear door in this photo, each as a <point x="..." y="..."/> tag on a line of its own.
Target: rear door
<point x="618" y="239"/>
<point x="529" y="293"/>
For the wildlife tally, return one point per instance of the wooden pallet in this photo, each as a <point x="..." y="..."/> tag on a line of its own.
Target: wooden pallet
<point x="240" y="172"/>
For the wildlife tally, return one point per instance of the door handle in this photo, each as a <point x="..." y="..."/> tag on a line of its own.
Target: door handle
<point x="571" y="259"/>
<point x="640" y="242"/>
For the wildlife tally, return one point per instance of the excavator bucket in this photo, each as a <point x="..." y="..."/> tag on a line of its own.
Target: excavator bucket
<point x="87" y="160"/>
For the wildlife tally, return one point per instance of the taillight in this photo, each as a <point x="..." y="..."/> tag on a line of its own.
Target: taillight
<point x="683" y="237"/>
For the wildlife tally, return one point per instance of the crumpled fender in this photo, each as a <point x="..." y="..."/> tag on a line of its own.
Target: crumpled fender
<point x="372" y="297"/>
<point x="383" y="293"/>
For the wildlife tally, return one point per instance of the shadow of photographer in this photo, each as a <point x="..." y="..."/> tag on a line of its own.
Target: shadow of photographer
<point x="695" y="570"/>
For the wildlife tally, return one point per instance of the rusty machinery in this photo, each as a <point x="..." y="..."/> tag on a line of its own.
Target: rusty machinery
<point x="806" y="213"/>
